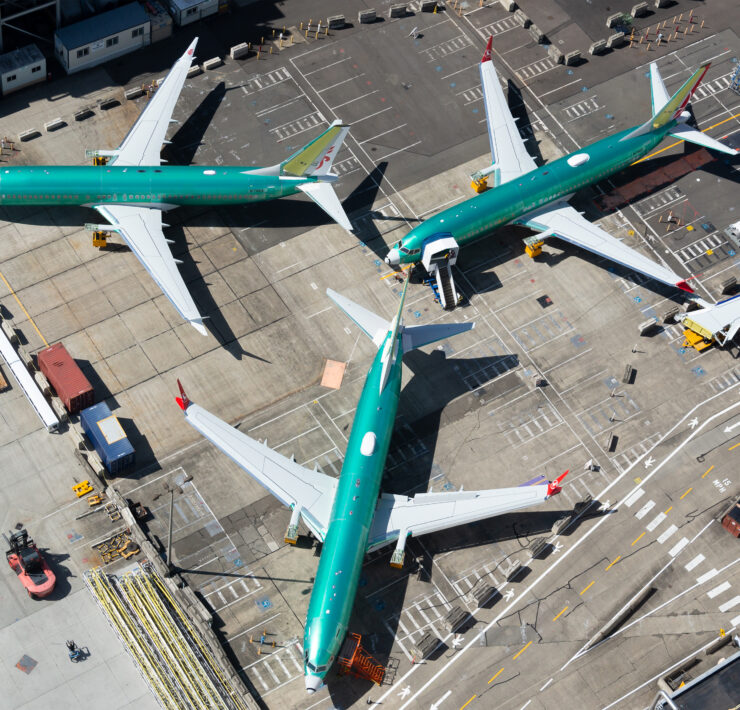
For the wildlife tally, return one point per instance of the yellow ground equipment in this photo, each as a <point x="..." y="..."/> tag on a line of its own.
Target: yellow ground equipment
<point x="695" y="340"/>
<point x="533" y="246"/>
<point x="479" y="185"/>
<point x="94" y="500"/>
<point x="82" y="489"/>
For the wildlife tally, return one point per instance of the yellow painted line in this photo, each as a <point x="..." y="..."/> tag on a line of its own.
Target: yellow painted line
<point x="500" y="671"/>
<point x="619" y="557"/>
<point x="704" y="475"/>
<point x="734" y="447"/>
<point x="529" y="643"/>
<point x="587" y="588"/>
<point x="638" y="538"/>
<point x="468" y="703"/>
<point x="393" y="273"/>
<point x="18" y="301"/>
<point x="665" y="512"/>
<point x="561" y="613"/>
<point x="672" y="145"/>
<point x="687" y="492"/>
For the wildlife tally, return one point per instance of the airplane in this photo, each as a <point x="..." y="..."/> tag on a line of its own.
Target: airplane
<point x="133" y="189"/>
<point x="537" y="197"/>
<point x="347" y="514"/>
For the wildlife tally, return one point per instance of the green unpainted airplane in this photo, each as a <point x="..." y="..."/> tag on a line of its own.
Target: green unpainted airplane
<point x="537" y="197"/>
<point x="133" y="189"/>
<point x="347" y="514"/>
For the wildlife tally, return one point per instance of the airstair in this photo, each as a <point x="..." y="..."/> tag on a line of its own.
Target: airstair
<point x="354" y="659"/>
<point x="438" y="258"/>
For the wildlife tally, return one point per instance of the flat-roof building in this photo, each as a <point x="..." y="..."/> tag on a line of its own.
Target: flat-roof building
<point x="103" y="37"/>
<point x="186" y="11"/>
<point x="21" y="67"/>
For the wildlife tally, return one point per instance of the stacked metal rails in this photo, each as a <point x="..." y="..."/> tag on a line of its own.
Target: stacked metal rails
<point x="167" y="650"/>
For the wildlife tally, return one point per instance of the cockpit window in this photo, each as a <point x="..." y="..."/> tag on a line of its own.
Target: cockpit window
<point x="404" y="250"/>
<point x="316" y="669"/>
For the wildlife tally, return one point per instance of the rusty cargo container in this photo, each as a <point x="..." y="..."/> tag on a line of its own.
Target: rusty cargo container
<point x="65" y="376"/>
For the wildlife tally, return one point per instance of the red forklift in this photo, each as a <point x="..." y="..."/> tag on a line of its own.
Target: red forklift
<point x="26" y="561"/>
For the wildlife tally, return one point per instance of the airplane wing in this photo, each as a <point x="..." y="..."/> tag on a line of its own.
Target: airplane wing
<point x="508" y="152"/>
<point x="141" y="228"/>
<point x="561" y="220"/>
<point x="399" y="515"/>
<point x="301" y="489"/>
<point x="144" y="141"/>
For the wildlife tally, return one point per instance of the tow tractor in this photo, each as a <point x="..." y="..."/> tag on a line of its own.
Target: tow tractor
<point x="26" y="561"/>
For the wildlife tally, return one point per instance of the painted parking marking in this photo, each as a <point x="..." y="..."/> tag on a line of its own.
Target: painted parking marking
<point x="640" y="514"/>
<point x="541" y="66"/>
<point x="657" y="520"/>
<point x="667" y="533"/>
<point x="499" y="27"/>
<point x="695" y="562"/>
<point x="638" y="538"/>
<point x="707" y="576"/>
<point x="718" y="590"/>
<point x="446" y="48"/>
<point x="678" y="547"/>
<point x="639" y="493"/>
<point x="730" y="605"/>
<point x="582" y="108"/>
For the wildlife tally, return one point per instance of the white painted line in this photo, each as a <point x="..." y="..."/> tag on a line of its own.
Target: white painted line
<point x="706" y="576"/>
<point x="667" y="533"/>
<point x="657" y="520"/>
<point x="678" y="546"/>
<point x="696" y="561"/>
<point x="640" y="514"/>
<point x="339" y="83"/>
<point x="545" y="685"/>
<point x="728" y="605"/>
<point x="473" y="643"/>
<point x="308" y="73"/>
<point x="736" y="622"/>
<point x="639" y="493"/>
<point x="718" y="590"/>
<point x="390" y="130"/>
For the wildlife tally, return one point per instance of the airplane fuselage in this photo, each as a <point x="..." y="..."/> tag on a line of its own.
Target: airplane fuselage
<point x="345" y="544"/>
<point x="478" y="216"/>
<point x="165" y="185"/>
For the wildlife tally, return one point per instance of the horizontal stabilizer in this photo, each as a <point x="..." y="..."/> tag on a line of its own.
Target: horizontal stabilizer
<point x="416" y="336"/>
<point x="373" y="325"/>
<point x="691" y="135"/>
<point x="322" y="193"/>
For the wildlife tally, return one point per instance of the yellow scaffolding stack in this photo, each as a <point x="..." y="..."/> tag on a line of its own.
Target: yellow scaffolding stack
<point x="170" y="655"/>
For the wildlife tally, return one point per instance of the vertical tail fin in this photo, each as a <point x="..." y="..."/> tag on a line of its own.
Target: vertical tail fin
<point x="674" y="106"/>
<point x="317" y="157"/>
<point x="316" y="160"/>
<point x="677" y="103"/>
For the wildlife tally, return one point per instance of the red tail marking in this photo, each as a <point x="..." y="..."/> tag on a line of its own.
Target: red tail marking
<point x="182" y="401"/>
<point x="685" y="102"/>
<point x="553" y="488"/>
<point x="684" y="286"/>
<point x="487" y="53"/>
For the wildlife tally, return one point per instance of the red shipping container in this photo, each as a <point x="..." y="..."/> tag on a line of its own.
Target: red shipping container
<point x="65" y="376"/>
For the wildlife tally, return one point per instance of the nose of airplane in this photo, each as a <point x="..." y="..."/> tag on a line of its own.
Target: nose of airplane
<point x="313" y="683"/>
<point x="393" y="258"/>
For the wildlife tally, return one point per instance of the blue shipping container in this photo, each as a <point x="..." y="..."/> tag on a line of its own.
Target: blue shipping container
<point x="108" y="437"/>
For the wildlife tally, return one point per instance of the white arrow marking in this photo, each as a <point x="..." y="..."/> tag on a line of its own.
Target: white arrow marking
<point x="509" y="594"/>
<point x="694" y="423"/>
<point x="605" y="505"/>
<point x="557" y="548"/>
<point x="649" y="462"/>
<point x="435" y="706"/>
<point x="728" y="429"/>
<point x="456" y="641"/>
<point x="404" y="692"/>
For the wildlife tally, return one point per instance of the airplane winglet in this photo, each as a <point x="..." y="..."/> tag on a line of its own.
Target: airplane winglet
<point x="553" y="487"/>
<point x="487" y="53"/>
<point x="684" y="286"/>
<point x="183" y="401"/>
